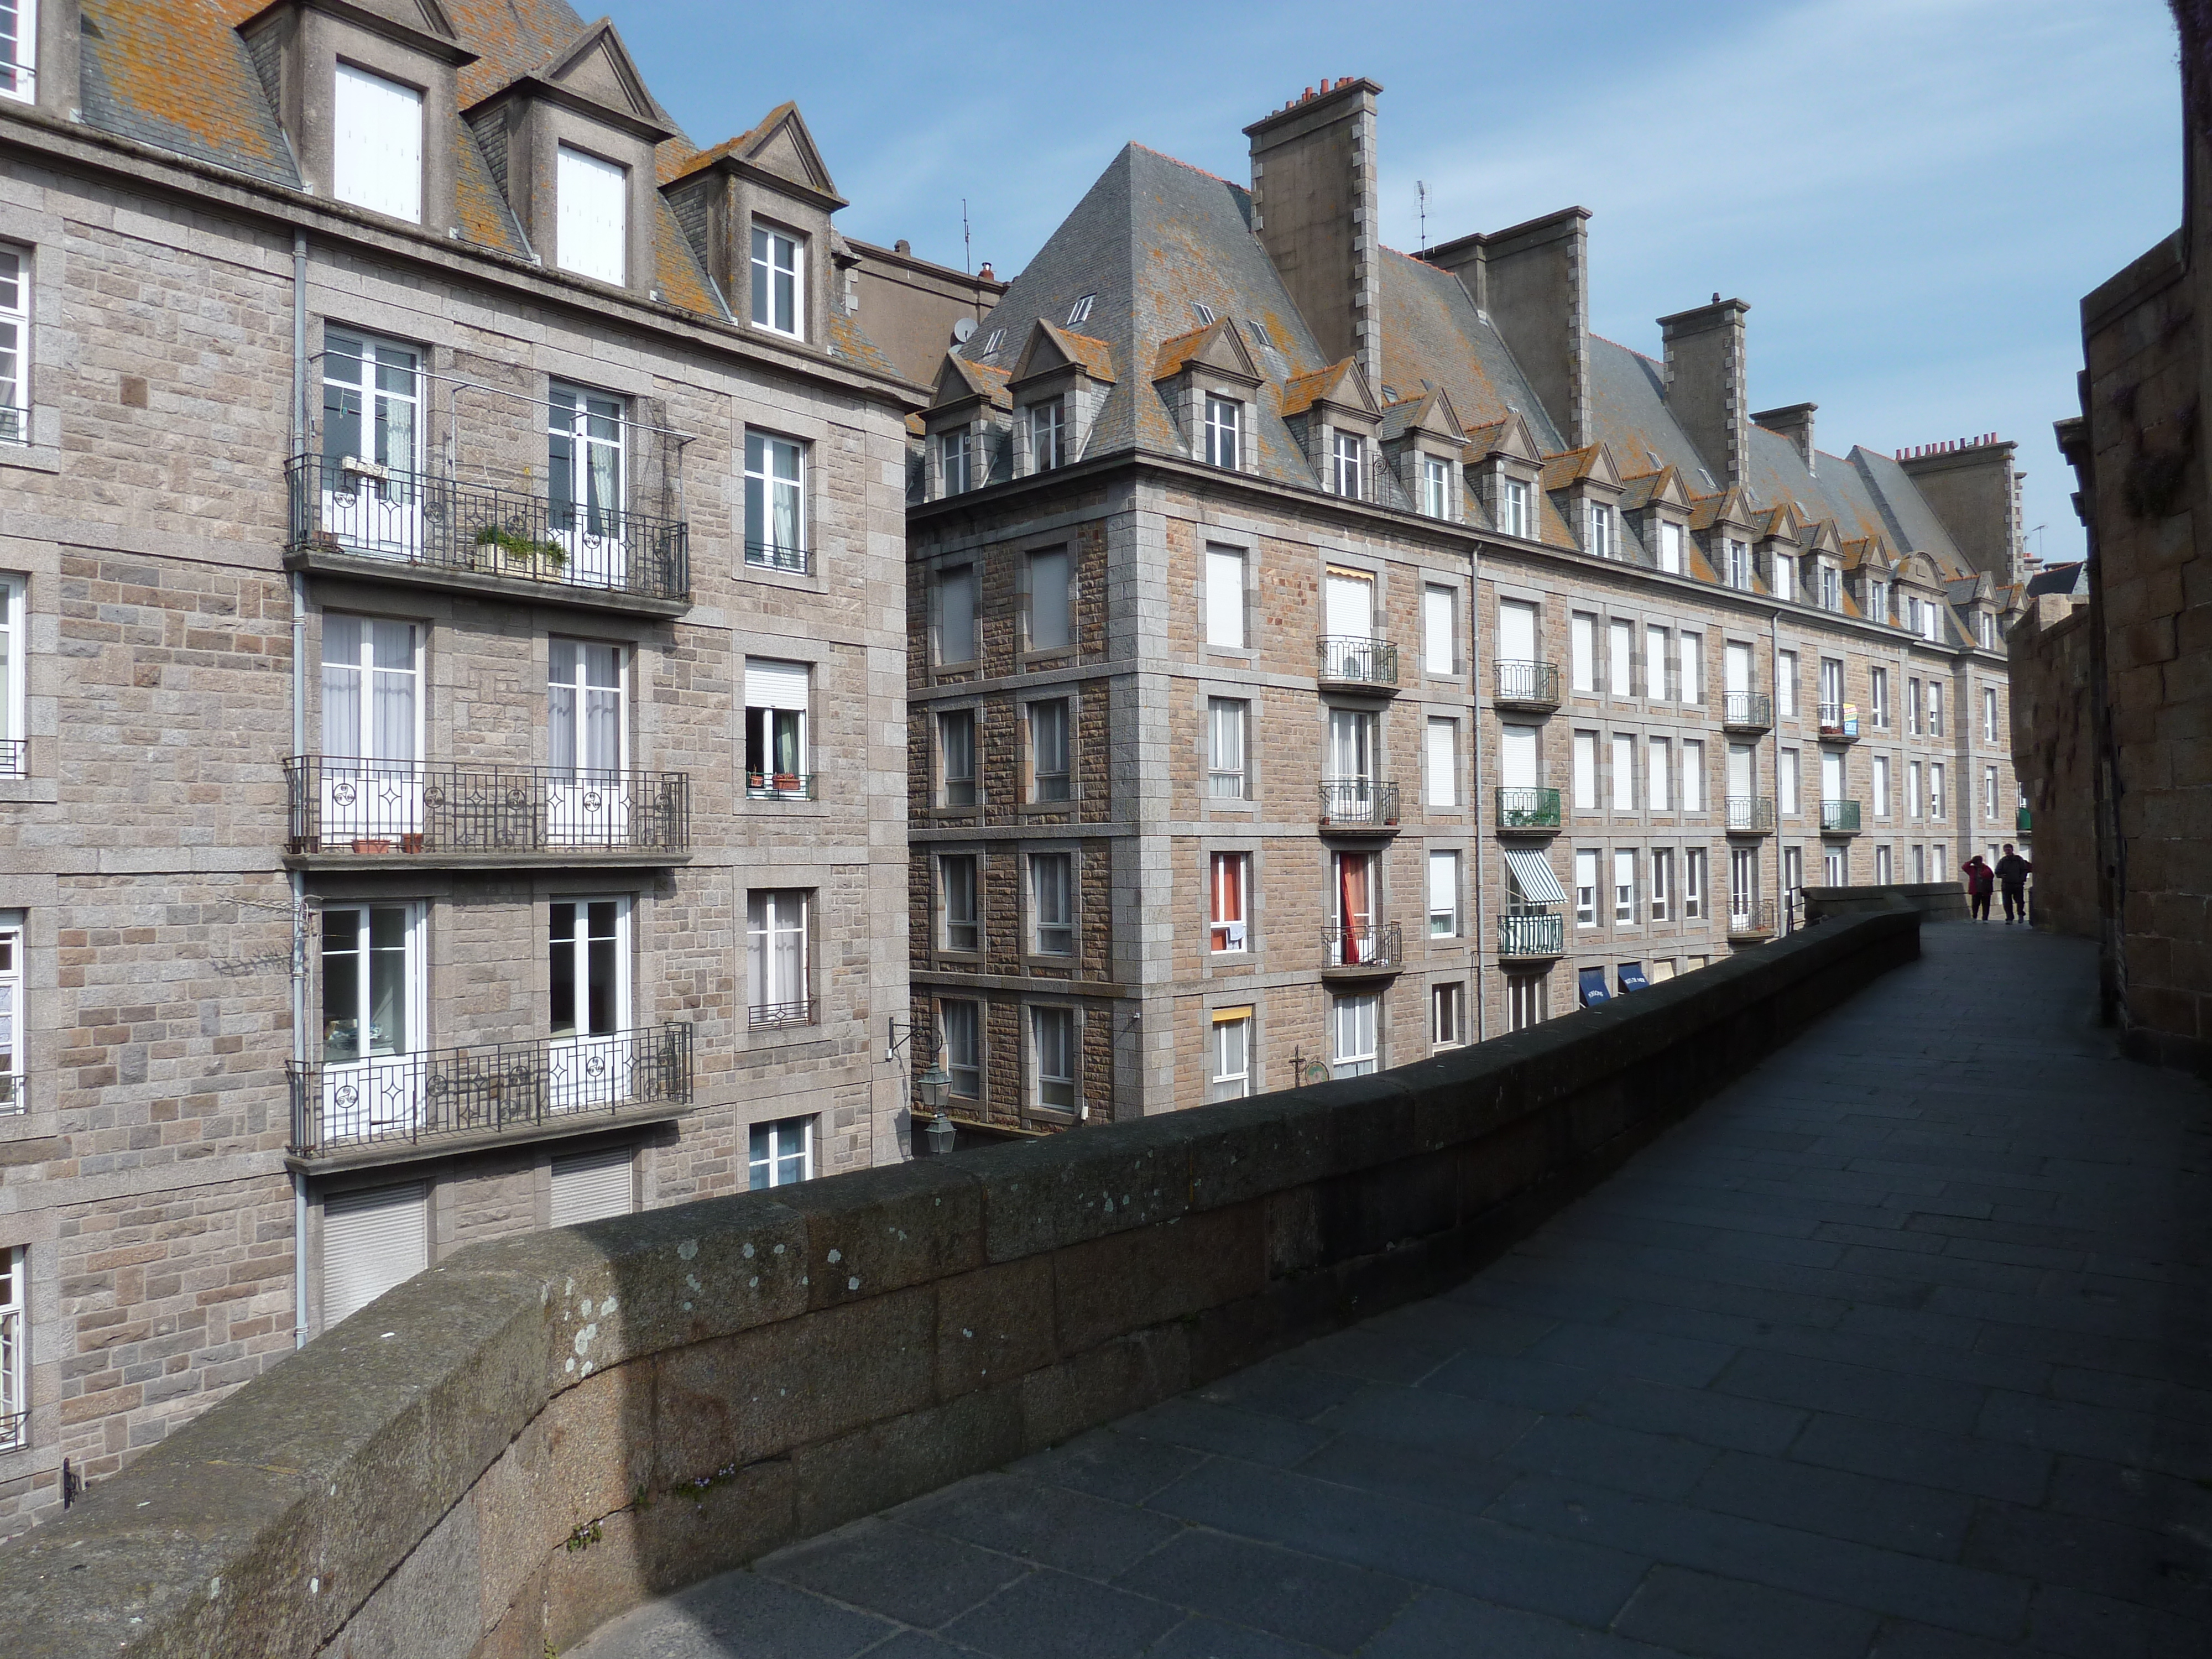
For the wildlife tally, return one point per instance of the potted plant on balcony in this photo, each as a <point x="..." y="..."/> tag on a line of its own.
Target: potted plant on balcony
<point x="524" y="554"/>
<point x="369" y="844"/>
<point x="786" y="783"/>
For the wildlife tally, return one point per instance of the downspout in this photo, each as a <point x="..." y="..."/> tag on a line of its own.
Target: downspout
<point x="1474" y="786"/>
<point x="1774" y="704"/>
<point x="299" y="879"/>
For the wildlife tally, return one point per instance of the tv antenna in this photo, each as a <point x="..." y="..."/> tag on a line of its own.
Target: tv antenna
<point x="967" y="245"/>
<point x="1424" y="191"/>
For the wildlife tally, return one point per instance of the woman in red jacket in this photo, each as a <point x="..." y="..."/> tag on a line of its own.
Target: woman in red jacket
<point x="1980" y="879"/>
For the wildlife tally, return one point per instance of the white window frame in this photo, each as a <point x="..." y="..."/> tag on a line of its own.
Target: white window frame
<point x="966" y="786"/>
<point x="1513" y="506"/>
<point x="14" y="1023"/>
<point x="1226" y="935"/>
<point x="1879" y="785"/>
<point x="1224" y="614"/>
<point x="1670" y="547"/>
<point x="1585" y="774"/>
<point x="1693" y="883"/>
<point x="1070" y="1020"/>
<point x="15" y="1350"/>
<point x="1620" y="657"/>
<point x="1440" y="630"/>
<point x="1878" y="695"/>
<point x="1691" y="654"/>
<point x="1229" y="1053"/>
<point x="1443" y="894"/>
<point x="1693" y="774"/>
<point x="770" y="489"/>
<point x="376" y="182"/>
<point x="582" y="181"/>
<point x="1528" y="1000"/>
<point x="956" y="461"/>
<point x="1348" y="461"/>
<point x="769" y="694"/>
<point x="1354" y="1051"/>
<point x="769" y="274"/>
<point x="1448" y="1014"/>
<point x="1441" y="757"/>
<point x="1662" y="881"/>
<point x="1739" y="566"/>
<point x="772" y="1171"/>
<point x="19" y="69"/>
<point x="1989" y="714"/>
<point x="1989" y="794"/>
<point x="1624" y="893"/>
<point x="1622" y="797"/>
<point x="774" y="915"/>
<point x="948" y="891"/>
<point x="1659" y="776"/>
<point x="1225" y="716"/>
<point x="1435" y="487"/>
<point x="1055" y="904"/>
<point x="14" y="343"/>
<point x="1582" y="651"/>
<point x="1048" y="427"/>
<point x="1586" y="875"/>
<point x="14" y="637"/>
<point x="1224" y="433"/>
<point x="1938" y="808"/>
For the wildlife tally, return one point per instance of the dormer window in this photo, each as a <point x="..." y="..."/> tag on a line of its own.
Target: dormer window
<point x="1985" y="630"/>
<point x="1224" y="425"/>
<point x="1260" y="332"/>
<point x="1513" y="507"/>
<point x="1670" y="547"/>
<point x="1205" y="313"/>
<point x="1600" y="530"/>
<point x="1047" y="430"/>
<point x="1785" y="577"/>
<point x="1080" y="311"/>
<point x="1931" y="623"/>
<point x="1877" y="600"/>
<point x="1739" y="566"/>
<point x="591" y="227"/>
<point x="1832" y="587"/>
<point x="19" y="49"/>
<point x="376" y="138"/>
<point x="1350" y="459"/>
<point x="775" y="283"/>
<point x="954" y="451"/>
<point x="1435" y="487"/>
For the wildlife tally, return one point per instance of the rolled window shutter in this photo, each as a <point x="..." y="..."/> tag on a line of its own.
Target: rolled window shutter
<point x="770" y="684"/>
<point x="590" y="1185"/>
<point x="376" y="160"/>
<point x="1224" y="600"/>
<point x="372" y="1241"/>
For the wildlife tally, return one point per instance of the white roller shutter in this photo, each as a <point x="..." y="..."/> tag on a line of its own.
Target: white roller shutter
<point x="1517" y="631"/>
<point x="590" y="234"/>
<point x="1516" y="750"/>
<point x="1225" y="598"/>
<point x="770" y="684"/>
<point x="1443" y="763"/>
<point x="1350" y="605"/>
<point x="372" y="1241"/>
<point x="1440" y="647"/>
<point x="376" y="144"/>
<point x="590" y="1185"/>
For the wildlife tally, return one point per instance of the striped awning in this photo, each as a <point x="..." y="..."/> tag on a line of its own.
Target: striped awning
<point x="1533" y="871"/>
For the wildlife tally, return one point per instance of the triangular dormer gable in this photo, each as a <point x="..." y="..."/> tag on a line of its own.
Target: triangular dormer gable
<point x="1340" y="390"/>
<point x="1219" y="348"/>
<point x="1664" y="488"/>
<point x="595" y="75"/>
<point x="1050" y="348"/>
<point x="1785" y="523"/>
<point x="966" y="388"/>
<point x="1429" y="417"/>
<point x="1870" y="556"/>
<point x="780" y="152"/>
<point x="1821" y="539"/>
<point x="1591" y="465"/>
<point x="1726" y="509"/>
<point x="423" y="25"/>
<point x="1510" y="439"/>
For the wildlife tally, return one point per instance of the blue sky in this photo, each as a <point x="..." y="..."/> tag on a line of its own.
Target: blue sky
<point x="1913" y="194"/>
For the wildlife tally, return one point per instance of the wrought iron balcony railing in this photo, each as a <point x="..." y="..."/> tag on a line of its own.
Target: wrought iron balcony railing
<point x="1839" y="817"/>
<point x="1355" y="659"/>
<point x="1358" y="804"/>
<point x="341" y="805"/>
<point x="779" y="786"/>
<point x="15" y="425"/>
<point x="774" y="556"/>
<point x="1378" y="946"/>
<point x="1531" y="810"/>
<point x="344" y="505"/>
<point x="14" y="1414"/>
<point x="1839" y="723"/>
<point x="1747" y="711"/>
<point x="771" y="1015"/>
<point x="492" y="1088"/>
<point x="1534" y="932"/>
<point x="1749" y="815"/>
<point x="1528" y="684"/>
<point x="15" y="756"/>
<point x="1750" y="918"/>
<point x="15" y="1094"/>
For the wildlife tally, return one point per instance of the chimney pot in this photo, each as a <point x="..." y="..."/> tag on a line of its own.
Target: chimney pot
<point x="986" y="275"/>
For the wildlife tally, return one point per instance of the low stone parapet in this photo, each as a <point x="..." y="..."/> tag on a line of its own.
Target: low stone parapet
<point x="1937" y="901"/>
<point x="544" y="1431"/>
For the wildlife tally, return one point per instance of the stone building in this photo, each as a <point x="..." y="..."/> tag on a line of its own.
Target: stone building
<point x="1319" y="656"/>
<point x="451" y="529"/>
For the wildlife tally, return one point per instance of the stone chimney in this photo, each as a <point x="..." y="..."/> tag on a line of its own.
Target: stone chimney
<point x="1794" y="422"/>
<point x="1315" y="209"/>
<point x="1970" y="485"/>
<point x="1533" y="281"/>
<point x="1705" y="376"/>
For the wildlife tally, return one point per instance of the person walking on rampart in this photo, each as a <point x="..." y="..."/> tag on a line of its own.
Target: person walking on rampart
<point x="2013" y="871"/>
<point x="1980" y="880"/>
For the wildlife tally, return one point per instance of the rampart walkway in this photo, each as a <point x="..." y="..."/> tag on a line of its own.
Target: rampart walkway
<point x="1898" y="1347"/>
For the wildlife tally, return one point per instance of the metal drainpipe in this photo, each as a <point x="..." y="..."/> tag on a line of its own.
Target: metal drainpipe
<point x="1474" y="785"/>
<point x="1774" y="704"/>
<point x="299" y="880"/>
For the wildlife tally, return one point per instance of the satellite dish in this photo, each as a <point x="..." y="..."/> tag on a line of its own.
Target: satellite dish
<point x="963" y="330"/>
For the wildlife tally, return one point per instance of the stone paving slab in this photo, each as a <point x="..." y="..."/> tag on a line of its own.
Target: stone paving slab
<point x="1898" y="1349"/>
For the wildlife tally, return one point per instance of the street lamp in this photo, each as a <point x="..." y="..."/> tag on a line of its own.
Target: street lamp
<point x="931" y="1087"/>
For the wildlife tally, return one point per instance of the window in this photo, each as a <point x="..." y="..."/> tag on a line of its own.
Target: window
<point x="1989" y="793"/>
<point x="1912" y="773"/>
<point x="775" y="950"/>
<point x="588" y="1001"/>
<point x="991" y="342"/>
<point x="1985" y="630"/>
<point x="1080" y="311"/>
<point x="1259" y="333"/>
<point x="372" y="725"/>
<point x="1793" y="867"/>
<point x="371" y="994"/>
<point x="369" y="399"/>
<point x="955" y="451"/>
<point x="1205" y="313"/>
<point x="1785" y="577"/>
<point x="1743" y="884"/>
<point x="1935" y="708"/>
<point x="1693" y="668"/>
<point x="1357" y="938"/>
<point x="1225" y="598"/>
<point x="1352" y="1022"/>
<point x="1052" y="904"/>
<point x="1785" y="778"/>
<point x="1447" y="1015"/>
<point x="1658" y="775"/>
<point x="1882" y="786"/>
<point x="1052" y="1039"/>
<point x="1225" y="759"/>
<point x="1739" y="566"/>
<point x="1624" y="772"/>
<point x="1920" y="861"/>
<point x="14" y="1344"/>
<point x="1834" y="869"/>
<point x="1912" y="612"/>
<point x="780" y="1153"/>
<point x="1623" y="885"/>
<point x="1229" y="1050"/>
<point x="591" y="234"/>
<point x="1663" y="882"/>
<point x="1693" y="774"/>
<point x="1931" y="623"/>
<point x="1884" y="871"/>
<point x="1581" y="636"/>
<point x="1832" y="693"/>
<point x="1443" y="896"/>
<point x="1224" y="424"/>
<point x="1878" y="696"/>
<point x="19" y="58"/>
<point x="1912" y="704"/>
<point x="1693" y="883"/>
<point x="1047" y="429"/>
<point x="956" y="615"/>
<point x="1443" y="763"/>
<point x="961" y="1025"/>
<point x="1989" y="714"/>
<point x="12" y="1080"/>
<point x="1620" y="664"/>
<point x="777" y="766"/>
<point x="1600" y="530"/>
<point x="1050" y="626"/>
<point x="1435" y="487"/>
<point x="1439" y="630"/>
<point x="776" y="301"/>
<point x="956" y="748"/>
<point x="1228" y="886"/>
<point x="1786" y="684"/>
<point x="1670" y="547"/>
<point x="372" y="1241"/>
<point x="1586" y="771"/>
<point x="1655" y="678"/>
<point x="589" y="1186"/>
<point x="376" y="141"/>
<point x="775" y="503"/>
<point x="1513" y="507"/>
<point x="15" y="334"/>
<point x="1936" y="808"/>
<point x="1526" y="1000"/>
<point x="956" y="889"/>
<point x="584" y="432"/>
<point x="1349" y="454"/>
<point x="1585" y="888"/>
<point x="588" y="806"/>
<point x="1048" y="774"/>
<point x="1352" y="735"/>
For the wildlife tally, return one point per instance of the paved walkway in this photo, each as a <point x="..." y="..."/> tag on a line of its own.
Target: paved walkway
<point x="1898" y="1348"/>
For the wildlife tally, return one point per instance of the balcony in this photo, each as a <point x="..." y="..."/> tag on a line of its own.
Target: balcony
<point x="2023" y="822"/>
<point x="15" y="1094"/>
<point x="347" y="812"/>
<point x="1354" y="662"/>
<point x="774" y="1016"/>
<point x="15" y="756"/>
<point x="495" y="1090"/>
<point x="780" y="786"/>
<point x="355" y="517"/>
<point x="774" y="556"/>
<point x="1839" y="817"/>
<point x="1747" y="711"/>
<point x="1839" y="722"/>
<point x="1749" y="815"/>
<point x="1750" y="920"/>
<point x="1377" y="948"/>
<point x="1528" y="685"/>
<point x="1358" y="806"/>
<point x="1523" y="934"/>
<point x="1527" y="811"/>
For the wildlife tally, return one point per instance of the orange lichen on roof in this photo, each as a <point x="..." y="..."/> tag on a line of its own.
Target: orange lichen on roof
<point x="984" y="381"/>
<point x="1095" y="356"/>
<point x="1706" y="511"/>
<point x="511" y="39"/>
<point x="674" y="163"/>
<point x="144" y="47"/>
<point x="1174" y="353"/>
<point x="1326" y="385"/>
<point x="1569" y="466"/>
<point x="479" y="210"/>
<point x="849" y="341"/>
<point x="676" y="268"/>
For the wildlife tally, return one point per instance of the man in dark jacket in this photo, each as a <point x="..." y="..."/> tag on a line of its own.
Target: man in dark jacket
<point x="2013" y="871"/>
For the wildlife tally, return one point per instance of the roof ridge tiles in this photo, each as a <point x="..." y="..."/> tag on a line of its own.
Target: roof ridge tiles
<point x="1186" y="165"/>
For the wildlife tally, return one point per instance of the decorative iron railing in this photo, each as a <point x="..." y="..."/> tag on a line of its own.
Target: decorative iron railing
<point x="1534" y="932"/>
<point x="345" y="504"/>
<point x="14" y="1409"/>
<point x="1749" y="815"/>
<point x="15" y="756"/>
<point x="1355" y="659"/>
<point x="1839" y="817"/>
<point x="14" y="428"/>
<point x="15" y="1094"/>
<point x="1528" y="684"/>
<point x="1750" y="918"/>
<point x="491" y="1088"/>
<point x="1377" y="945"/>
<point x="774" y="556"/>
<point x="779" y="786"/>
<point x="771" y="1015"/>
<point x="1839" y="722"/>
<point x="341" y="805"/>
<point x="1528" y="810"/>
<point x="1747" y="711"/>
<point x="1358" y="804"/>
